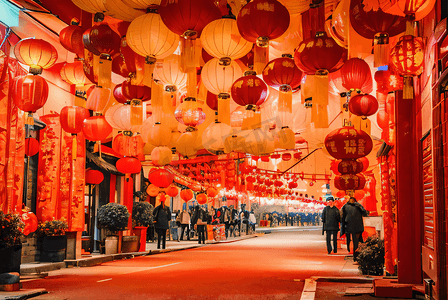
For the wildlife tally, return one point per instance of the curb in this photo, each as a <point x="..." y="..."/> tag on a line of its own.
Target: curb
<point x="343" y="279"/>
<point x="22" y="294"/>
<point x="43" y="268"/>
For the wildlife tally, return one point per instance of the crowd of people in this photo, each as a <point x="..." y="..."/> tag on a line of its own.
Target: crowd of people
<point x="303" y="218"/>
<point x="192" y="222"/>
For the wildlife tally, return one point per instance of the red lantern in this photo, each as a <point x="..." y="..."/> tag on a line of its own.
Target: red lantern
<point x="249" y="91"/>
<point x="334" y="167"/>
<point x="129" y="63"/>
<point x="31" y="146"/>
<point x="282" y="73"/>
<point x="140" y="92"/>
<point x="348" y="143"/>
<point x="118" y="94"/>
<point x="129" y="145"/>
<point x="260" y="21"/>
<point x="153" y="190"/>
<point x="378" y="25"/>
<point x="387" y="81"/>
<point x="161" y="178"/>
<point x="286" y="156"/>
<point x="250" y="179"/>
<point x="292" y="185"/>
<point x="101" y="39"/>
<point x="407" y="58"/>
<point x="212" y="192"/>
<point x="73" y="73"/>
<point x="297" y="155"/>
<point x="71" y="39"/>
<point x="128" y="165"/>
<point x="365" y="163"/>
<point x="188" y="17"/>
<point x="265" y="158"/>
<point x="94" y="177"/>
<point x="349" y="182"/>
<point x="356" y="75"/>
<point x="35" y="53"/>
<point x="189" y="113"/>
<point x="31" y="223"/>
<point x="350" y="166"/>
<point x="72" y="118"/>
<point x="172" y="191"/>
<point x="278" y="183"/>
<point x="30" y="92"/>
<point x="186" y="195"/>
<point x="96" y="128"/>
<point x="363" y="105"/>
<point x="201" y="198"/>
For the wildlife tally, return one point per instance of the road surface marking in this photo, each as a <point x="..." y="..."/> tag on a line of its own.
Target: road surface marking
<point x="309" y="290"/>
<point x="150" y="268"/>
<point x="104" y="280"/>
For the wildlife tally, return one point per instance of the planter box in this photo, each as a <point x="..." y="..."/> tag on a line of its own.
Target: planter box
<point x="53" y="248"/>
<point x="129" y="244"/>
<point x="10" y="259"/>
<point x="111" y="244"/>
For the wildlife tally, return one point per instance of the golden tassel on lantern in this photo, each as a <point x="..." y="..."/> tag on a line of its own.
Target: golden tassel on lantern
<point x="74" y="146"/>
<point x="251" y="118"/>
<point x="261" y="54"/>
<point x="157" y="102"/>
<point x="320" y="92"/>
<point x="148" y="69"/>
<point x="361" y="124"/>
<point x="136" y="112"/>
<point x="140" y="65"/>
<point x="224" y="108"/>
<point x="192" y="81"/>
<point x="105" y="71"/>
<point x="188" y="46"/>
<point x="307" y="88"/>
<point x="381" y="49"/>
<point x="30" y="119"/>
<point x="319" y="115"/>
<point x="284" y="103"/>
<point x="408" y="89"/>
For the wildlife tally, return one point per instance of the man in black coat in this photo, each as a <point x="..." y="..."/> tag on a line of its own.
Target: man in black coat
<point x="330" y="224"/>
<point x="162" y="217"/>
<point x="352" y="223"/>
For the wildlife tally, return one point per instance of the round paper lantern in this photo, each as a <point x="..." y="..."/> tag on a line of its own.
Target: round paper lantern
<point x="416" y="9"/>
<point x="71" y="39"/>
<point x="152" y="190"/>
<point x="31" y="146"/>
<point x="319" y="55"/>
<point x="29" y="92"/>
<point x="189" y="113"/>
<point x="73" y="73"/>
<point x="161" y="156"/>
<point x="128" y="165"/>
<point x="365" y="163"/>
<point x="363" y="105"/>
<point x="201" y="198"/>
<point x="162" y="43"/>
<point x="94" y="177"/>
<point x="283" y="74"/>
<point x="122" y="119"/>
<point x="128" y="145"/>
<point x="249" y="90"/>
<point x="35" y="53"/>
<point x="218" y="78"/>
<point x="297" y="155"/>
<point x="137" y="92"/>
<point x="31" y="223"/>
<point x="212" y="192"/>
<point x="288" y="41"/>
<point x="159" y="135"/>
<point x="101" y="40"/>
<point x="349" y="182"/>
<point x="129" y="64"/>
<point x="187" y="18"/>
<point x="221" y="39"/>
<point x="387" y="81"/>
<point x="262" y="20"/>
<point x="350" y="166"/>
<point x="96" y="128"/>
<point x="286" y="156"/>
<point x="72" y="118"/>
<point x="375" y="24"/>
<point x="186" y="144"/>
<point x="292" y="185"/>
<point x="407" y="58"/>
<point x="356" y="75"/>
<point x="118" y="94"/>
<point x="90" y="70"/>
<point x="285" y="138"/>
<point x="348" y="143"/>
<point x="186" y="195"/>
<point x="214" y="136"/>
<point x="172" y="191"/>
<point x="161" y="178"/>
<point x="98" y="99"/>
<point x="259" y="142"/>
<point x="169" y="73"/>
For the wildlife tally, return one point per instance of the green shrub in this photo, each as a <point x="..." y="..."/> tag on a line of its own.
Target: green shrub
<point x="52" y="228"/>
<point x="113" y="216"/>
<point x="11" y="228"/>
<point x="371" y="256"/>
<point x="142" y="214"/>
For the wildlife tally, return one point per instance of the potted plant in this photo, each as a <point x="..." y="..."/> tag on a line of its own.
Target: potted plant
<point x="11" y="228"/>
<point x="142" y="218"/>
<point x="53" y="240"/>
<point x="371" y="256"/>
<point x="113" y="217"/>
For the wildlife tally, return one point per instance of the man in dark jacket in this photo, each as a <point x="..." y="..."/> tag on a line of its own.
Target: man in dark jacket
<point x="330" y="224"/>
<point x="199" y="220"/>
<point x="352" y="223"/>
<point x="162" y="217"/>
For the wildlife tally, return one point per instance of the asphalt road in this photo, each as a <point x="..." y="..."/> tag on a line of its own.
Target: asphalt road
<point x="271" y="266"/>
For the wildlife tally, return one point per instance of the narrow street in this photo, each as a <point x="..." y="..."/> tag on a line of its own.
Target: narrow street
<point x="270" y="266"/>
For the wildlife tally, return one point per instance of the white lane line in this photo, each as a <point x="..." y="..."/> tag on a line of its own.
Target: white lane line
<point x="309" y="290"/>
<point x="104" y="280"/>
<point x="151" y="268"/>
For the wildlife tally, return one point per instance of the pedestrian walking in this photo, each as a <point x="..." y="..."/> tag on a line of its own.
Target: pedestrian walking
<point x="352" y="223"/>
<point x="162" y="216"/>
<point x="199" y="220"/>
<point x="184" y="219"/>
<point x="331" y="218"/>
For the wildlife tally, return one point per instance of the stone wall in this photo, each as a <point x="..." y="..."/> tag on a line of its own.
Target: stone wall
<point x="30" y="250"/>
